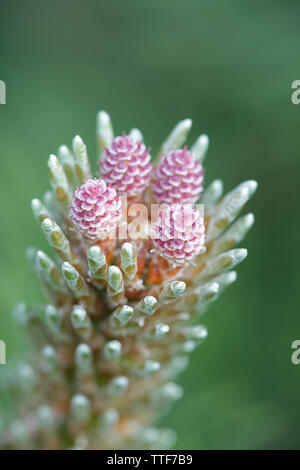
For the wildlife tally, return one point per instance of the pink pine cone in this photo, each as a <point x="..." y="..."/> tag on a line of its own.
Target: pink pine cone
<point x="95" y="209"/>
<point x="178" y="179"/>
<point x="178" y="233"/>
<point x="126" y="166"/>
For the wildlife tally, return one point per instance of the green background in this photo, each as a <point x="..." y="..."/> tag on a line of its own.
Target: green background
<point x="229" y="66"/>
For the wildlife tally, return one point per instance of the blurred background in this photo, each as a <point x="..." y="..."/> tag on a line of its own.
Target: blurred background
<point x="228" y="66"/>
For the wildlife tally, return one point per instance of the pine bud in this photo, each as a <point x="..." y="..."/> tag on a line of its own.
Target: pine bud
<point x="82" y="164"/>
<point x="112" y="349"/>
<point x="200" y="147"/>
<point x="128" y="260"/>
<point x="147" y="305"/>
<point x="80" y="408"/>
<point x="118" y="386"/>
<point x="83" y="357"/>
<point x="59" y="182"/>
<point x="81" y="322"/>
<point x="123" y="315"/>
<point x="177" y="137"/>
<point x="105" y="133"/>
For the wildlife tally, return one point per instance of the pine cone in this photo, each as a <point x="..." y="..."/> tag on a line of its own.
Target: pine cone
<point x="178" y="179"/>
<point x="126" y="166"/>
<point x="95" y="209"/>
<point x="178" y="233"/>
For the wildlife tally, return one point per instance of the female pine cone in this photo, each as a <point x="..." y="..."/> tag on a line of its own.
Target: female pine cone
<point x="126" y="166"/>
<point x="178" y="179"/>
<point x="178" y="233"/>
<point x="95" y="209"/>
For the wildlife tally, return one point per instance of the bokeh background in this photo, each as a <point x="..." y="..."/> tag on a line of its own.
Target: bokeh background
<point x="227" y="65"/>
